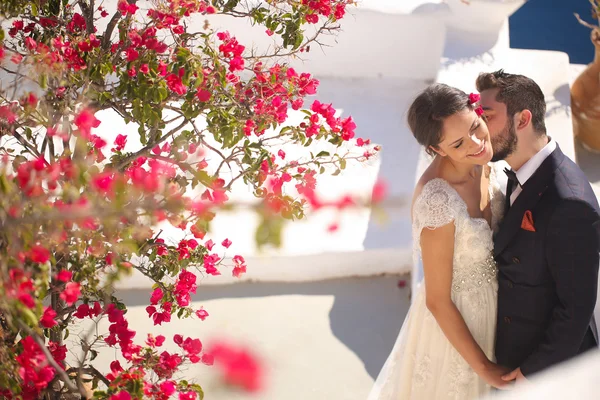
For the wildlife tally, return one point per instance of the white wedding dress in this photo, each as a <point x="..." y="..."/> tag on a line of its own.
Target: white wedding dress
<point x="423" y="365"/>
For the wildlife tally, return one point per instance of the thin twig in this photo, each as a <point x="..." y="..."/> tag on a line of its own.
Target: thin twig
<point x="584" y="23"/>
<point x="149" y="146"/>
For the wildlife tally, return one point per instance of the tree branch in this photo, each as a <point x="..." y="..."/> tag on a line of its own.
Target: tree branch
<point x="111" y="26"/>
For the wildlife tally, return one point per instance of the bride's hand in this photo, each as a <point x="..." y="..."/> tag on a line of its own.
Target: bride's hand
<point x="492" y="373"/>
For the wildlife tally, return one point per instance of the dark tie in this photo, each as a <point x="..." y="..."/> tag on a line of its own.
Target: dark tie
<point x="513" y="182"/>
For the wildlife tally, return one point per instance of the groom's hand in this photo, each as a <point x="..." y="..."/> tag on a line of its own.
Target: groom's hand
<point x="516" y="375"/>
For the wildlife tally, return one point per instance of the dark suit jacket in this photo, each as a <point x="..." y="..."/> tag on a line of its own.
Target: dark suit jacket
<point x="548" y="278"/>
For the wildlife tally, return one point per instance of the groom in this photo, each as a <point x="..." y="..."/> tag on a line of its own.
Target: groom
<point x="547" y="248"/>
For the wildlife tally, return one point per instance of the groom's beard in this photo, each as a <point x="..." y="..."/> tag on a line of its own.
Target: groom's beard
<point x="505" y="143"/>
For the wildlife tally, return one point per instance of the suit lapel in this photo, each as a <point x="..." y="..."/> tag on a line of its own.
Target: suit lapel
<point x="531" y="193"/>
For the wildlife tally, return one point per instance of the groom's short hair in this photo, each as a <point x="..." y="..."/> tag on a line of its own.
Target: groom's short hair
<point x="519" y="93"/>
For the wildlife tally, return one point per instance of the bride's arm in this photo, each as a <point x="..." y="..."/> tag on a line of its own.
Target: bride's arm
<point x="437" y="248"/>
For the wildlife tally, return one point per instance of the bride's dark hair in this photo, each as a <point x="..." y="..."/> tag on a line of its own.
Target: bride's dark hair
<point x="427" y="112"/>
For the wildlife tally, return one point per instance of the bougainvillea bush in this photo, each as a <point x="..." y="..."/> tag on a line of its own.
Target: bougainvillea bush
<point x="79" y="211"/>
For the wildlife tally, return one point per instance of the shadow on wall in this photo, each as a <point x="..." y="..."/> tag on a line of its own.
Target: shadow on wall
<point x="366" y="315"/>
<point x="561" y="102"/>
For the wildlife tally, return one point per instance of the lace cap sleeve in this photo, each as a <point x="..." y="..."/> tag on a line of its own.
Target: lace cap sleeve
<point x="437" y="205"/>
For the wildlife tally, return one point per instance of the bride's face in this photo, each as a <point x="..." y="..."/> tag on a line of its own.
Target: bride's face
<point x="466" y="139"/>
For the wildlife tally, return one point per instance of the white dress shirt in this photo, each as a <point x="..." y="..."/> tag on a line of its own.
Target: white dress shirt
<point x="529" y="168"/>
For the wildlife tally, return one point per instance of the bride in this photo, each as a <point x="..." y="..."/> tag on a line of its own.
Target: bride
<point x="445" y="349"/>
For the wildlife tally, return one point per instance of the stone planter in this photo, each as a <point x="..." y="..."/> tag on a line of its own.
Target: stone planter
<point x="585" y="101"/>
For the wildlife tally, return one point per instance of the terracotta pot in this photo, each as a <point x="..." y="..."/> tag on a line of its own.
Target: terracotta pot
<point x="585" y="101"/>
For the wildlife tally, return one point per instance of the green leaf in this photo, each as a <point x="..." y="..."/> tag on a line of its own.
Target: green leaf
<point x="43" y="81"/>
<point x="204" y="178"/>
<point x="147" y="112"/>
<point x="343" y="163"/>
<point x="142" y="132"/>
<point x="94" y="355"/>
<point x="162" y="91"/>
<point x="323" y="154"/>
<point x="29" y="317"/>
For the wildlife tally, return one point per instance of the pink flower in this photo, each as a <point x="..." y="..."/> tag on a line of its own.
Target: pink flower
<point x="207" y="359"/>
<point x="47" y="320"/>
<point x="379" y="192"/>
<point x="474" y="98"/>
<point x="59" y="353"/>
<point x="64" y="276"/>
<point x="175" y="84"/>
<point x="85" y="121"/>
<point x="120" y="142"/>
<point x="136" y="39"/>
<point x="155" y="341"/>
<point x="34" y="369"/>
<point x="192" y="346"/>
<point x="132" y="72"/>
<point x="115" y="367"/>
<point x="26" y="299"/>
<point x="162" y="68"/>
<point x="157" y="296"/>
<point x="82" y="311"/>
<point x="178" y="339"/>
<point x="187" y="395"/>
<point x="312" y="18"/>
<point x="167" y="388"/>
<point x="31" y="100"/>
<point x="145" y="69"/>
<point x="103" y="182"/>
<point x="239" y="271"/>
<point x="125" y="8"/>
<point x="202" y="314"/>
<point x="71" y="293"/>
<point x="122" y="395"/>
<point x="131" y="54"/>
<point x="203" y="95"/>
<point x="236" y="64"/>
<point x="30" y="44"/>
<point x="226" y="243"/>
<point x="39" y="254"/>
<point x="239" y="366"/>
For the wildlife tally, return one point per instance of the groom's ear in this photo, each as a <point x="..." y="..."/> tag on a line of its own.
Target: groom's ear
<point x="524" y="119"/>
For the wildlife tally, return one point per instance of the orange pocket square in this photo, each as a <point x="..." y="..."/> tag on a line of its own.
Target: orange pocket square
<point x="527" y="222"/>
